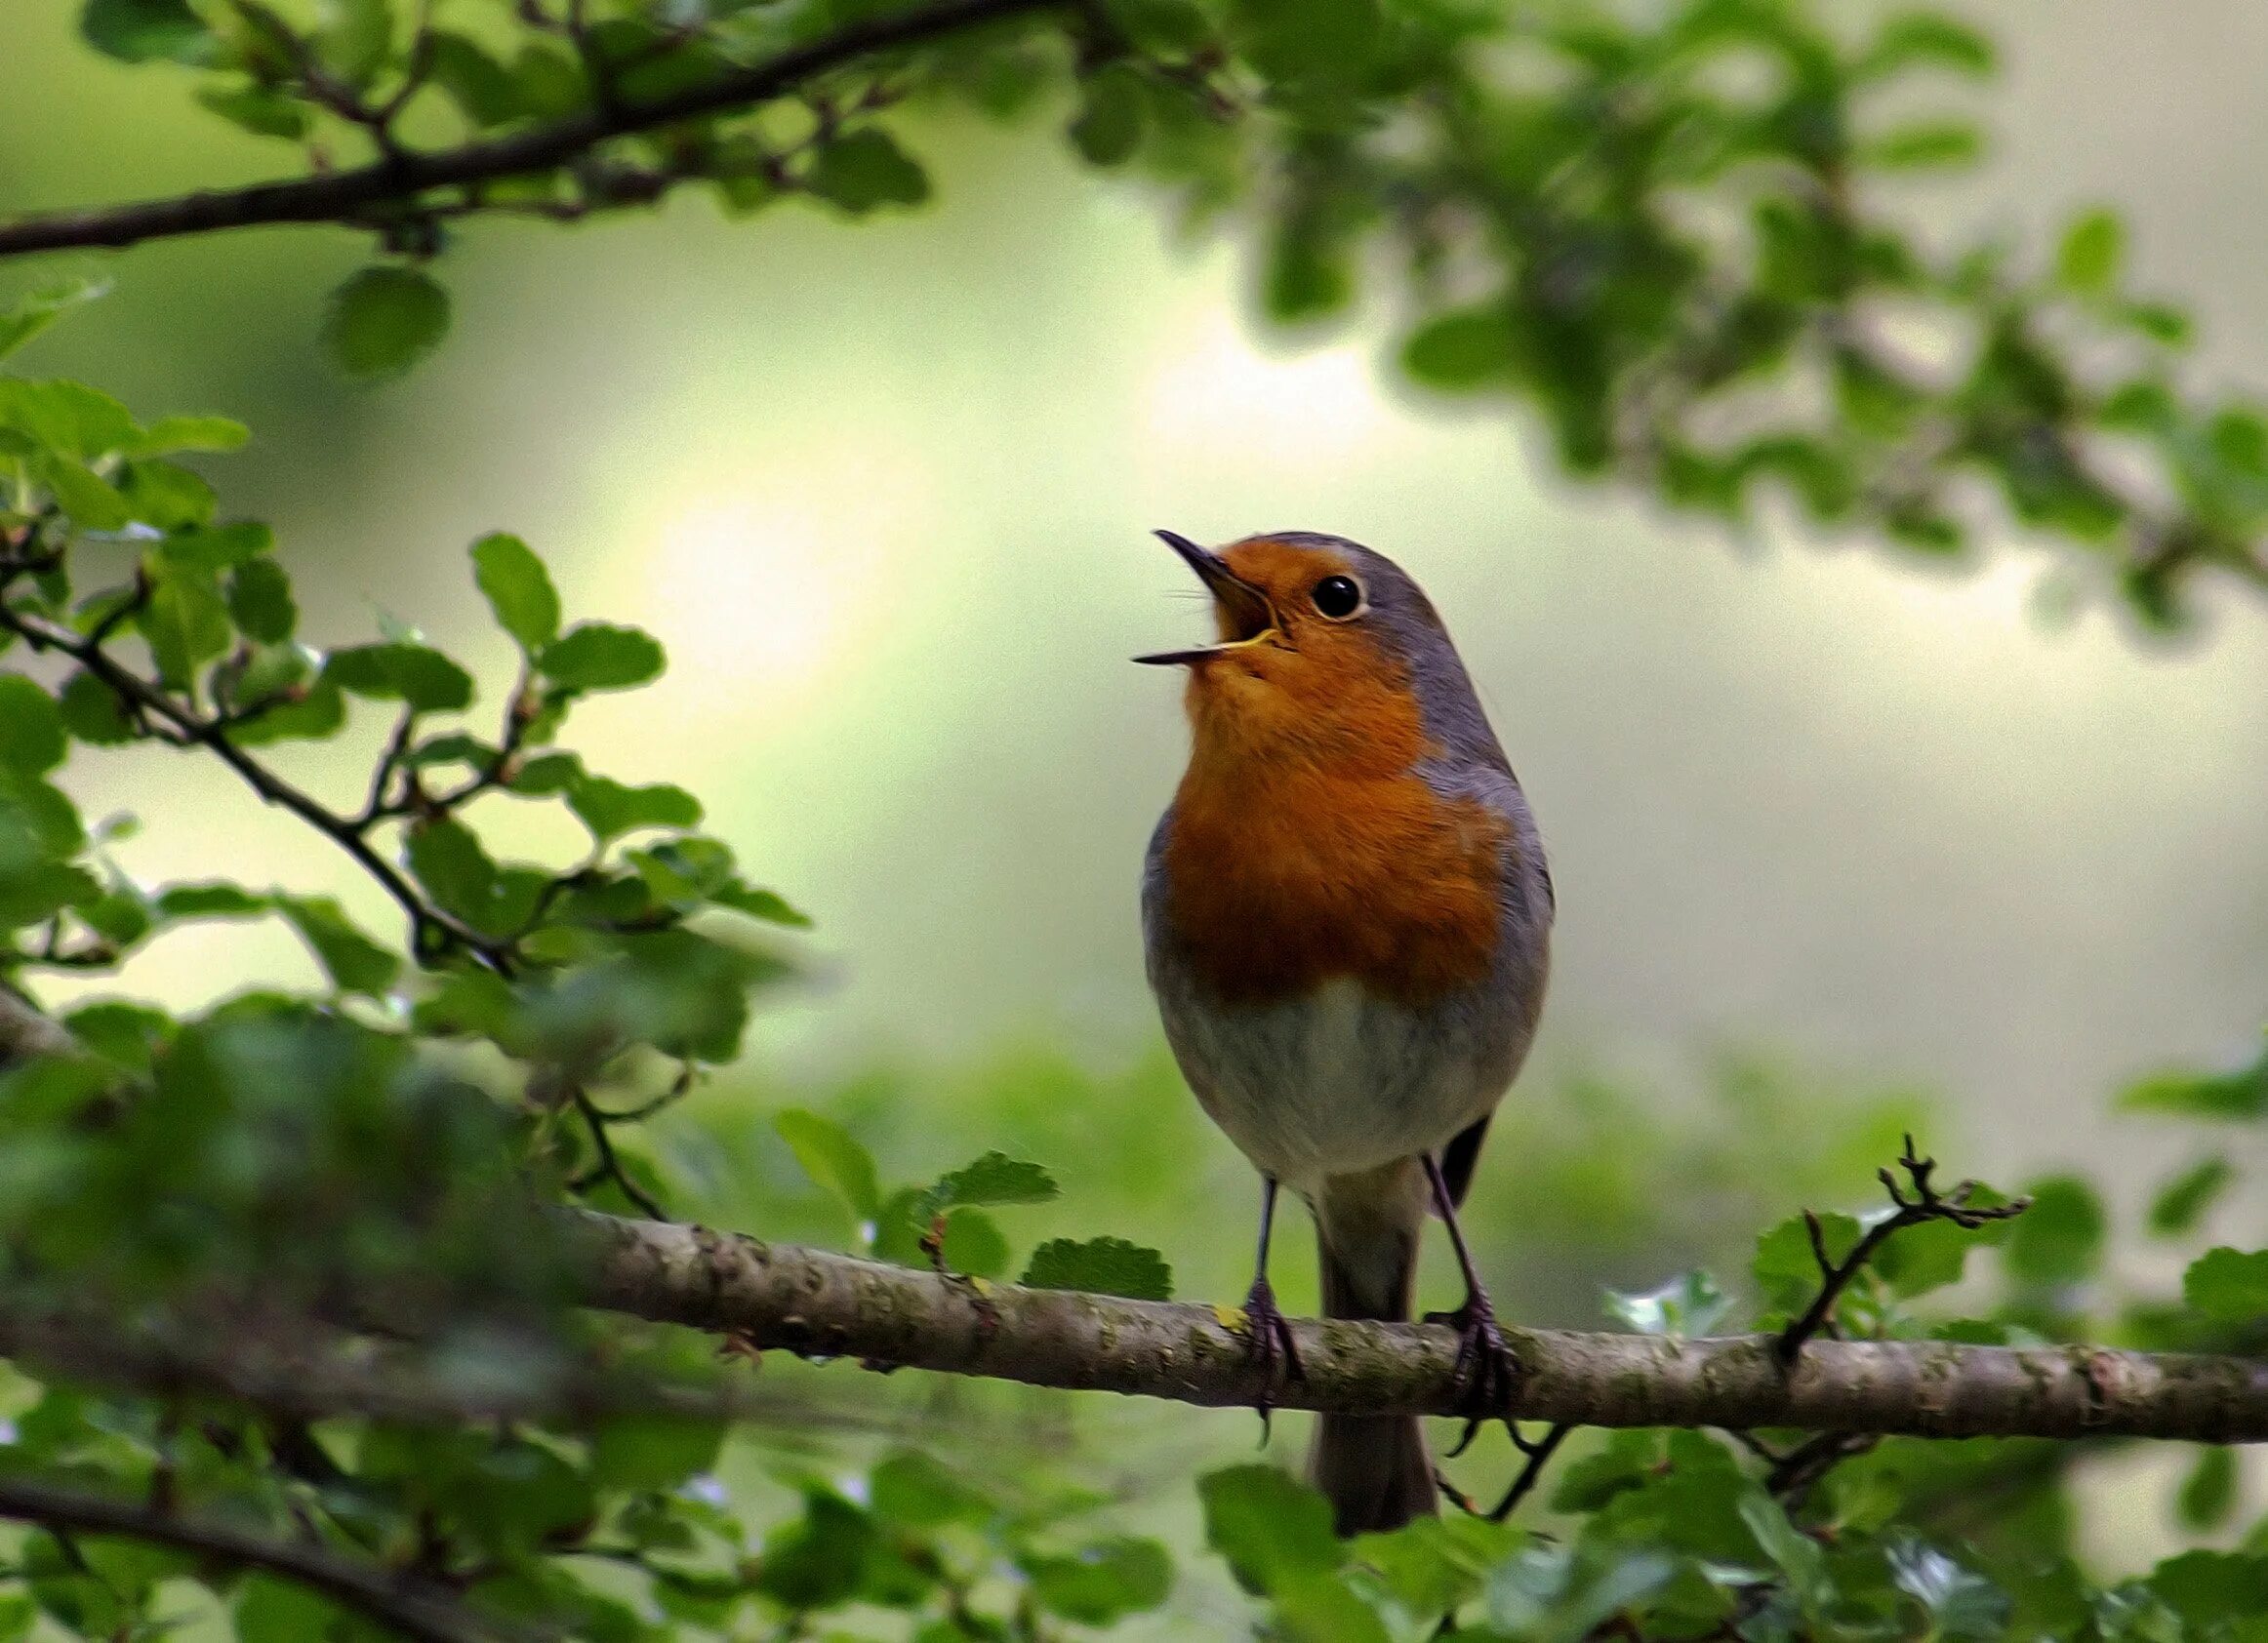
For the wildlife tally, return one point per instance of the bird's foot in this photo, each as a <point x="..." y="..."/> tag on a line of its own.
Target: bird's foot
<point x="1270" y="1345"/>
<point x="1487" y="1370"/>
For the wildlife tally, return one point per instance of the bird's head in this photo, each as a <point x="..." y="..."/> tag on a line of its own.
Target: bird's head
<point x="1326" y="654"/>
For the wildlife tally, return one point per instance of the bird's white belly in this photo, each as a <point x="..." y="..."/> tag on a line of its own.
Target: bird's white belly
<point x="1335" y="1082"/>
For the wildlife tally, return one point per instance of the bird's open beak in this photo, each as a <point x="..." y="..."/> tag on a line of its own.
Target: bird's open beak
<point x="1244" y="609"/>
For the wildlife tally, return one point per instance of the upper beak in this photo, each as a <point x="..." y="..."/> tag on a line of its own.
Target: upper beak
<point x="1248" y="613"/>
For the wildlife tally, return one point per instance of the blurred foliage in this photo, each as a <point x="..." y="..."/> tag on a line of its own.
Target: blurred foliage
<point x="1661" y="232"/>
<point x="1672" y="231"/>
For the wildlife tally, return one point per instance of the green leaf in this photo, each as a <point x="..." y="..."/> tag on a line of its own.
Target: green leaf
<point x="474" y="81"/>
<point x="185" y="622"/>
<point x="446" y="856"/>
<point x="1459" y="351"/>
<point x="910" y="1488"/>
<point x="1109" y="127"/>
<point x="973" y="1244"/>
<point x="2181" y="1203"/>
<point x="1796" y="1555"/>
<point x="597" y="656"/>
<point x="31" y="727"/>
<point x="1926" y="145"/>
<point x="218" y="900"/>
<point x="383" y="320"/>
<point x="259" y="601"/>
<point x="518" y="590"/>
<point x="2241" y="1094"/>
<point x="35" y="311"/>
<point x="355" y="39"/>
<point x="92" y="501"/>
<point x="865" y="169"/>
<point x="1100" y="1266"/>
<point x="647" y="1452"/>
<point x="1785" y="1270"/>
<point x="2059" y="1239"/>
<point x="765" y="904"/>
<point x="2229" y="1286"/>
<point x="994" y="1179"/>
<point x="834" y="1159"/>
<point x="219" y="547"/>
<point x="1101" y="1584"/>
<point x="2093" y="247"/>
<point x="2209" y="1493"/>
<point x="269" y="1610"/>
<point x="1924" y="39"/>
<point x="1688" y="1304"/>
<point x="261" y="111"/>
<point x="1271" y="1529"/>
<point x="66" y="418"/>
<point x="416" y="675"/>
<point x="147" y="30"/>
<point x="355" y="962"/>
<point x="93" y="712"/>
<point x="168" y="434"/>
<point x="610" y="809"/>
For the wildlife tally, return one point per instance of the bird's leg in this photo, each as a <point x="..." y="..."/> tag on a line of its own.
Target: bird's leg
<point x="1486" y="1364"/>
<point x="1269" y="1332"/>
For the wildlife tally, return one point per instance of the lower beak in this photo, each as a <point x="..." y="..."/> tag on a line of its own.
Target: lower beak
<point x="1250" y="616"/>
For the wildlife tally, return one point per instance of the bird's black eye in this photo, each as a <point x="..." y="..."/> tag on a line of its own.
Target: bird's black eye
<point x="1337" y="597"/>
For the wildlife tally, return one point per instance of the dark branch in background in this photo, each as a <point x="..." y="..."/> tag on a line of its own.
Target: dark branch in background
<point x="401" y="179"/>
<point x="412" y="1608"/>
<point x="820" y="1304"/>
<point x="1926" y="1205"/>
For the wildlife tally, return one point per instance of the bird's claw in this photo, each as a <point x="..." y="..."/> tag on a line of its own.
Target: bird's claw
<point x="1486" y="1368"/>
<point x="1270" y="1345"/>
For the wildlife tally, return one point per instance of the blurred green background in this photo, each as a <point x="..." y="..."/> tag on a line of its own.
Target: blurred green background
<point x="1838" y="841"/>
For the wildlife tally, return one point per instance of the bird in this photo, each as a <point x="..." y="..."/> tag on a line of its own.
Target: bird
<point x="1346" y="917"/>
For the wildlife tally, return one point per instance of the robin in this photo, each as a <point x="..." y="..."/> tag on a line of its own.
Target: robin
<point x="1346" y="920"/>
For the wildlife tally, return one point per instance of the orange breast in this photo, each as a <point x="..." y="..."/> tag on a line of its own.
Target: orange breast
<point x="1280" y="876"/>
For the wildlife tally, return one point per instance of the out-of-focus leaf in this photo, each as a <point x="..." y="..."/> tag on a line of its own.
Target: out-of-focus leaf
<point x="652" y="1451"/>
<point x="1269" y="1527"/>
<point x="147" y="30"/>
<point x="833" y="1158"/>
<point x="1108" y="126"/>
<point x="597" y="656"/>
<point x="2059" y="1239"/>
<point x="2239" y="1095"/>
<point x="31" y="727"/>
<point x="416" y="675"/>
<point x="2228" y="1285"/>
<point x="259" y="601"/>
<point x="2093" y="247"/>
<point x="1785" y="1270"/>
<point x="218" y="547"/>
<point x="92" y="712"/>
<point x="2209" y="1493"/>
<point x="34" y="312"/>
<point x="2181" y="1203"/>
<point x="383" y="320"/>
<point x="519" y="589"/>
<point x="610" y="809"/>
<point x="1101" y="1267"/>
<point x="864" y="170"/>
<point x="1101" y="1584"/>
<point x="1926" y="147"/>
<point x="352" y="960"/>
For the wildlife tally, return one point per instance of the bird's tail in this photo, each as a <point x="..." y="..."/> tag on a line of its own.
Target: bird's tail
<point x="1375" y="1468"/>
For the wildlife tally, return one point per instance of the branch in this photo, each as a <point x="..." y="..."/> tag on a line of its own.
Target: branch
<point x="409" y="1607"/>
<point x="815" y="1302"/>
<point x="349" y="196"/>
<point x="1927" y="1204"/>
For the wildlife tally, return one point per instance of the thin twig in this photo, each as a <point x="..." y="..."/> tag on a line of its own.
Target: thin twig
<point x="1539" y="1456"/>
<point x="355" y="198"/>
<point x="1927" y="1204"/>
